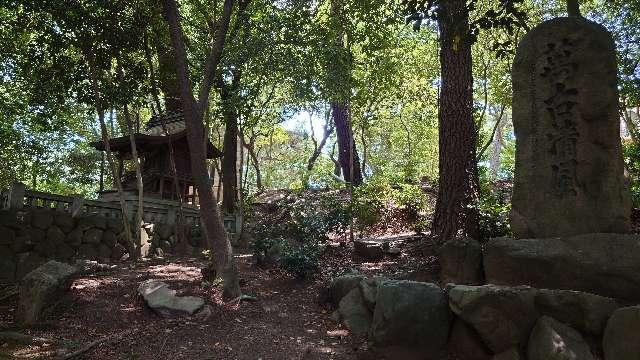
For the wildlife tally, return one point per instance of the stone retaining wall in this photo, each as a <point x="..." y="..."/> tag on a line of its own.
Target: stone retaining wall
<point x="31" y="237"/>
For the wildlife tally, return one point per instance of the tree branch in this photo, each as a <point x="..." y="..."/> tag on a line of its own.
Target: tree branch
<point x="493" y="133"/>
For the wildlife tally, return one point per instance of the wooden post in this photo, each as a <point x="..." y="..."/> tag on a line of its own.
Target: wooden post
<point x="16" y="196"/>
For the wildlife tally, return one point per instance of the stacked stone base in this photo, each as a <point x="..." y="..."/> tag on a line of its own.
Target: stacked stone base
<point x="562" y="298"/>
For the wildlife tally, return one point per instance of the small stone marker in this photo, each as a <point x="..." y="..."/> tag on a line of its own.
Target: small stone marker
<point x="569" y="175"/>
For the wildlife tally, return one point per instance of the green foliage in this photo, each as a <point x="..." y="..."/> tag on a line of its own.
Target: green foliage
<point x="411" y="197"/>
<point x="301" y="260"/>
<point x="368" y="201"/>
<point x="297" y="238"/>
<point x="632" y="162"/>
<point x="494" y="208"/>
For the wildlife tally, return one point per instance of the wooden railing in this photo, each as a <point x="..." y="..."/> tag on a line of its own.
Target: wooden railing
<point x="155" y="210"/>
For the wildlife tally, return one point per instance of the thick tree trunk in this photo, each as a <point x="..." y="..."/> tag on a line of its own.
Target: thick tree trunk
<point x="347" y="153"/>
<point x="193" y="114"/>
<point x="230" y="157"/>
<point x="456" y="213"/>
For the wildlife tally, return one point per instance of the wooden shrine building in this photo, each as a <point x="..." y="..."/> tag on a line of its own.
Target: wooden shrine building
<point x="162" y="132"/>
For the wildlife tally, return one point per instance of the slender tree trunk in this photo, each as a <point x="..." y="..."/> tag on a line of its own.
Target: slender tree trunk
<point x="109" y="155"/>
<point x="255" y="162"/>
<point x="140" y="185"/>
<point x="328" y="130"/>
<point x="102" y="165"/>
<point x="193" y="114"/>
<point x="456" y="213"/>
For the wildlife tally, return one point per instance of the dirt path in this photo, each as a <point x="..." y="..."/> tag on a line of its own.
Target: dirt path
<point x="285" y="323"/>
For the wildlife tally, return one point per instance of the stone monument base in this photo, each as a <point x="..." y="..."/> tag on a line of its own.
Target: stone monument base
<point x="602" y="264"/>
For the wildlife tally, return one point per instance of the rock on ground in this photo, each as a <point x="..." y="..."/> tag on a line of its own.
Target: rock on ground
<point x="341" y="286"/>
<point x="461" y="262"/>
<point x="41" y="288"/>
<point x="411" y="315"/>
<point x="622" y="335"/>
<point x="503" y="317"/>
<point x="585" y="312"/>
<point x="368" y="250"/>
<point x="603" y="264"/>
<point x="354" y="312"/>
<point x="161" y="299"/>
<point x="553" y="340"/>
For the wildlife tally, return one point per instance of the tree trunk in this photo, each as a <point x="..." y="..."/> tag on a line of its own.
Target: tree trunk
<point x="193" y="112"/>
<point x="140" y="186"/>
<point x="109" y="155"/>
<point x="255" y="162"/>
<point x="456" y="213"/>
<point x="230" y="146"/>
<point x="347" y="153"/>
<point x="573" y="8"/>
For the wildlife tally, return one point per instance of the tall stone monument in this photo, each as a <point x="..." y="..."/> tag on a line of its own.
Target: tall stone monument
<point x="569" y="175"/>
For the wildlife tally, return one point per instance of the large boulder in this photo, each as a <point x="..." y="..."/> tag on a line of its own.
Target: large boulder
<point x="553" y="340"/>
<point x="461" y="262"/>
<point x="603" y="264"/>
<point x="503" y="317"/>
<point x="622" y="335"/>
<point x="26" y="262"/>
<point x="369" y="289"/>
<point x="354" y="313"/>
<point x="411" y="315"/>
<point x="41" y="288"/>
<point x="585" y="312"/>
<point x="161" y="299"/>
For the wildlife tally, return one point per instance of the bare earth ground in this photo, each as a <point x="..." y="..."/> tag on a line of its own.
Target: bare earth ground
<point x="286" y="322"/>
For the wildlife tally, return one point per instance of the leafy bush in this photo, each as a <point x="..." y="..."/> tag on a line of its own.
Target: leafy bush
<point x="494" y="207"/>
<point x="301" y="261"/>
<point x="412" y="198"/>
<point x="631" y="153"/>
<point x="295" y="238"/>
<point x="369" y="200"/>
